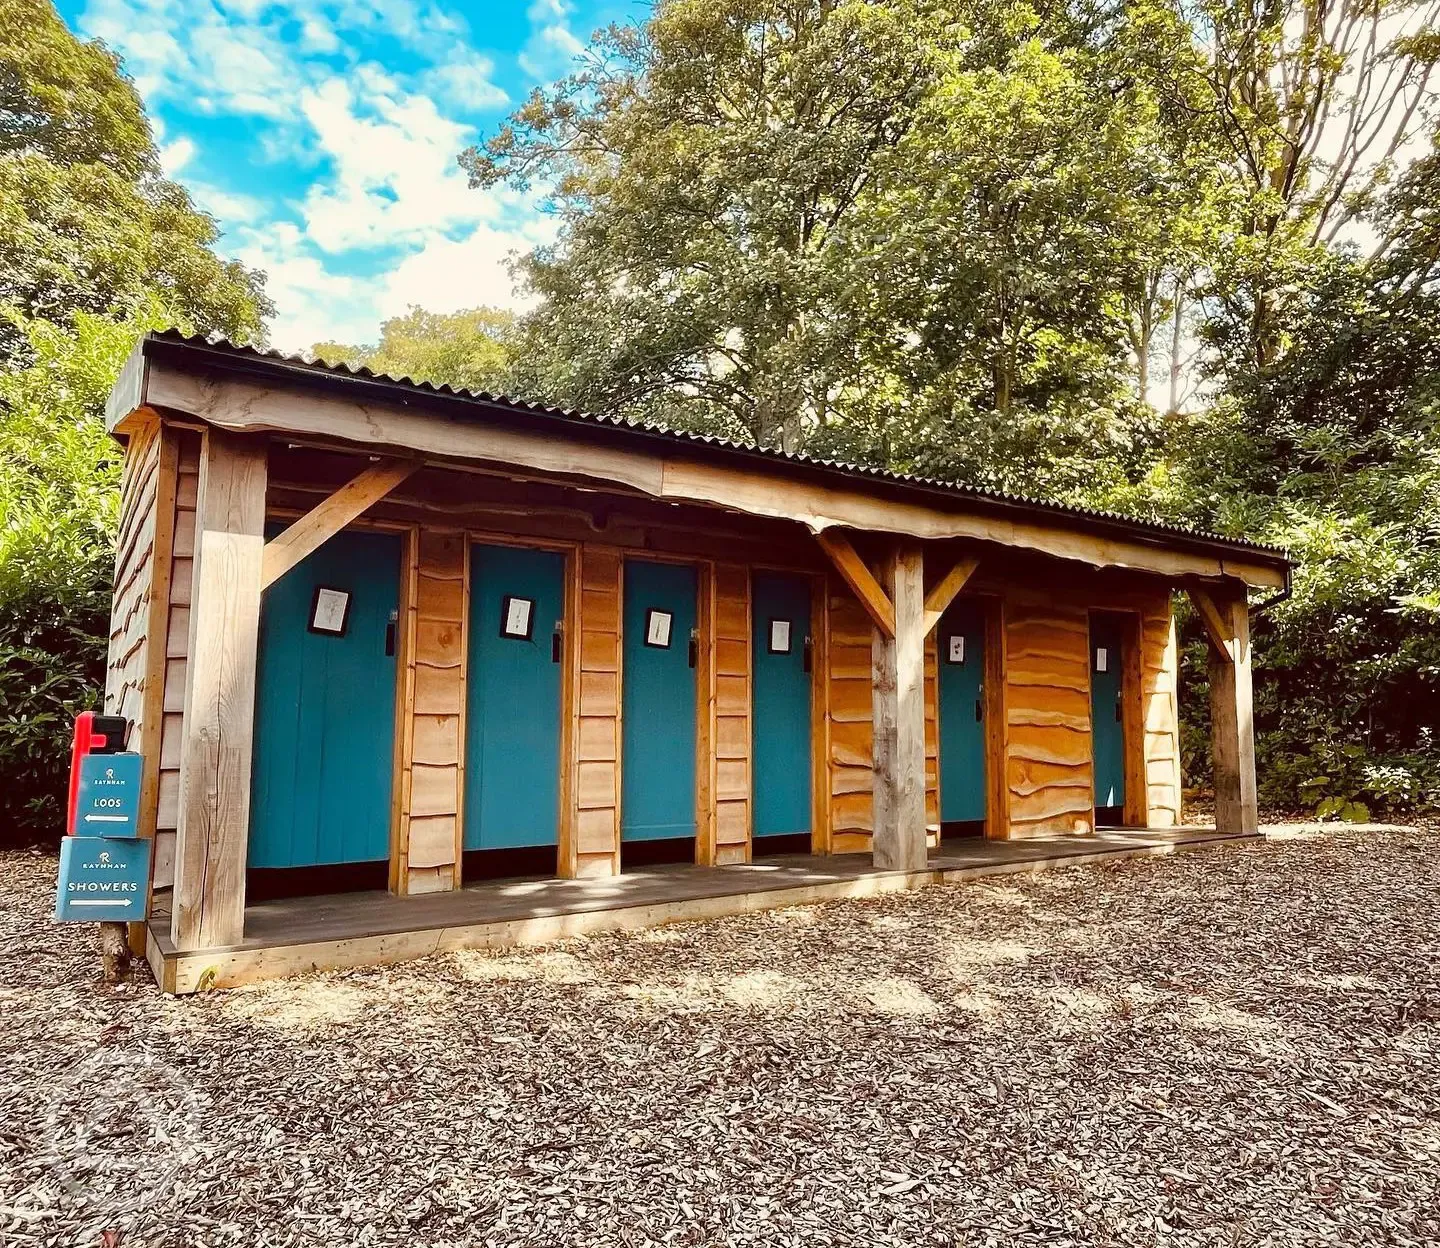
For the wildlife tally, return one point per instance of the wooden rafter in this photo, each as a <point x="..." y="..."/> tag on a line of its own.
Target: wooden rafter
<point x="327" y="518"/>
<point x="858" y="576"/>
<point x="943" y="594"/>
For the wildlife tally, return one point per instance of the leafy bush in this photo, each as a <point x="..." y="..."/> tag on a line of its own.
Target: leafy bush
<point x="59" y="473"/>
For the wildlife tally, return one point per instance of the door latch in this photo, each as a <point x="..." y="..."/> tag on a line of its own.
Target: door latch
<point x="807" y="651"/>
<point x="555" y="641"/>
<point x="390" y="634"/>
<point x="694" y="646"/>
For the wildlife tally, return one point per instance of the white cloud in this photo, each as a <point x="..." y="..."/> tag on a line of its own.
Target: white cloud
<point x="175" y="156"/>
<point x="229" y="208"/>
<point x="315" y="304"/>
<point x="394" y="177"/>
<point x="383" y="217"/>
<point x="467" y="82"/>
<point x="551" y="50"/>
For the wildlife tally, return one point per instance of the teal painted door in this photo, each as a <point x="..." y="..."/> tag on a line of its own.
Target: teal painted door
<point x="512" y="721"/>
<point x="325" y="710"/>
<point x="1108" y="732"/>
<point x="960" y="637"/>
<point x="780" y="636"/>
<point x="658" y="703"/>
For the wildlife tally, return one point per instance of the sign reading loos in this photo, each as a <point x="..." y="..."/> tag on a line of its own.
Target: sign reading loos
<point x="102" y="880"/>
<point x="108" y="800"/>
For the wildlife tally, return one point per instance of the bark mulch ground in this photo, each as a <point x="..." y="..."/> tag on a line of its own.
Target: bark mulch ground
<point x="1236" y="1046"/>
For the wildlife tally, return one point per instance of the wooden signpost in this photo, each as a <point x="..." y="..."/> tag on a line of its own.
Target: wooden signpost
<point x="104" y="862"/>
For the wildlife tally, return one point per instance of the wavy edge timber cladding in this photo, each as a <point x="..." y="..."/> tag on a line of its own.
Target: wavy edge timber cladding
<point x="1160" y="712"/>
<point x="1049" y="767"/>
<point x="430" y="742"/>
<point x="594" y="803"/>
<point x="730" y="642"/>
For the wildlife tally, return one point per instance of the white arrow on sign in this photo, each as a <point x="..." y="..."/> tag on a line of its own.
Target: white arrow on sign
<point x="112" y="901"/>
<point x="107" y="818"/>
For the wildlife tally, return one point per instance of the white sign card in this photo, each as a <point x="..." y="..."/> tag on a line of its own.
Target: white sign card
<point x="657" y="628"/>
<point x="329" y="611"/>
<point x="957" y="649"/>
<point x="779" y="636"/>
<point x="519" y="614"/>
<point x="1102" y="659"/>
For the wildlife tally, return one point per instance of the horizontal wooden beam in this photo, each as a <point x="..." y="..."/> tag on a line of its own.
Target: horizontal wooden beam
<point x="327" y="518"/>
<point x="858" y="576"/>
<point x="943" y="594"/>
<point x="390" y="426"/>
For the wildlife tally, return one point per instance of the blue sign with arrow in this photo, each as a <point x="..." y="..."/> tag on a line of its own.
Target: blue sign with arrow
<point x="108" y="800"/>
<point x="102" y="881"/>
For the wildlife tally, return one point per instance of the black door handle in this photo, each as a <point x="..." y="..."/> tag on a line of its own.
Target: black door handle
<point x="390" y="640"/>
<point x="1118" y="716"/>
<point x="808" y="655"/>
<point x="555" y="646"/>
<point x="979" y="710"/>
<point x="694" y="651"/>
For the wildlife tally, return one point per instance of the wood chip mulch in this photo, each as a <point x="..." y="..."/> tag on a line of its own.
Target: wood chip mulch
<point x="1235" y="1046"/>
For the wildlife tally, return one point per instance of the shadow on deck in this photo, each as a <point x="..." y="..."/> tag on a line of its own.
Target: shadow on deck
<point x="375" y="928"/>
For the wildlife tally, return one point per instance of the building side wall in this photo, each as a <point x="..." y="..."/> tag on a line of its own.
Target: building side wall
<point x="128" y="652"/>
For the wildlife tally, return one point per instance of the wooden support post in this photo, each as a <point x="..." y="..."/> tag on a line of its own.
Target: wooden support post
<point x="328" y="517"/>
<point x="898" y="672"/>
<point x="1232" y="712"/>
<point x="214" y="814"/>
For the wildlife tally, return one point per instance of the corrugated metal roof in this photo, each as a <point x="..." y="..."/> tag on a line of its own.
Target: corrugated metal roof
<point x="956" y="488"/>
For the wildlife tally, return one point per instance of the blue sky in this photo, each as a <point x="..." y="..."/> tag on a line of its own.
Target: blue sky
<point x="322" y="136"/>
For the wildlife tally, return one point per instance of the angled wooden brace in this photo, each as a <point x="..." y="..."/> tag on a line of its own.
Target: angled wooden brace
<point x="1221" y="633"/>
<point x="858" y="576"/>
<point x="943" y="594"/>
<point x="331" y="515"/>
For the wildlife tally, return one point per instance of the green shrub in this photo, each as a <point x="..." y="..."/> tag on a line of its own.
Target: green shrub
<point x="59" y="501"/>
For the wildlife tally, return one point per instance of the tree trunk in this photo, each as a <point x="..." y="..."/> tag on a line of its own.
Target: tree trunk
<point x="1177" y="321"/>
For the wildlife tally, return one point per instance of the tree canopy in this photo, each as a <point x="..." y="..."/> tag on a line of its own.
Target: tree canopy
<point x="86" y="222"/>
<point x="470" y="349"/>
<point x="1174" y="257"/>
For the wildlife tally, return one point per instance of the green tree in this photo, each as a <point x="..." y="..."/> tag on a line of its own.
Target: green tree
<point x="708" y="167"/>
<point x="95" y="247"/>
<point x="86" y="222"/>
<point x="1315" y="102"/>
<point x="1332" y="449"/>
<point x="880" y="231"/>
<point x="470" y="349"/>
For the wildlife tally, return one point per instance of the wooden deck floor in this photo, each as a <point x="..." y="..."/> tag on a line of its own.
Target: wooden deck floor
<point x="375" y="928"/>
